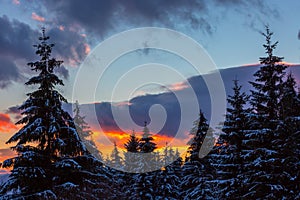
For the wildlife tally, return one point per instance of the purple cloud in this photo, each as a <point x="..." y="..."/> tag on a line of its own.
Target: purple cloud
<point x="139" y="106"/>
<point x="16" y="48"/>
<point x="101" y="17"/>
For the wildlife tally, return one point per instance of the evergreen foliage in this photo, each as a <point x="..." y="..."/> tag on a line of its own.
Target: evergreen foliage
<point x="131" y="155"/>
<point x="257" y="155"/>
<point x="196" y="171"/>
<point x="84" y="132"/>
<point x="49" y="133"/>
<point x="226" y="156"/>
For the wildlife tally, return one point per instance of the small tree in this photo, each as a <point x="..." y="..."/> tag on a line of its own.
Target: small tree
<point x="289" y="101"/>
<point x="146" y="148"/>
<point x="131" y="156"/>
<point x="115" y="158"/>
<point x="145" y="183"/>
<point x="169" y="178"/>
<point x="86" y="135"/>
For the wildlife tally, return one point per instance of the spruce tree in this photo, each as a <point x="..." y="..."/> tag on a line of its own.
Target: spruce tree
<point x="287" y="142"/>
<point x="131" y="156"/>
<point x="84" y="132"/>
<point x="227" y="155"/>
<point x="289" y="101"/>
<point x="168" y="179"/>
<point x="131" y="164"/>
<point x="49" y="132"/>
<point x="262" y="162"/>
<point x="196" y="171"/>
<point x="146" y="148"/>
<point x="145" y="182"/>
<point x="115" y="158"/>
<point x="268" y="83"/>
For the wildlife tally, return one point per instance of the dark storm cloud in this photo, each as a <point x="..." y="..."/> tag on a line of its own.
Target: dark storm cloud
<point x="16" y="46"/>
<point x="101" y="16"/>
<point x="8" y="72"/>
<point x="16" y="39"/>
<point x="69" y="45"/>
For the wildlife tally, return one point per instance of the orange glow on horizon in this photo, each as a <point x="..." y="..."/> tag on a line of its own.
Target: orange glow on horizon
<point x="288" y="64"/>
<point x="279" y="63"/>
<point x="105" y="141"/>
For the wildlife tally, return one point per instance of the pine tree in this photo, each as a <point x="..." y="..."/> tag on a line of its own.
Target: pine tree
<point x="146" y="148"/>
<point x="131" y="156"/>
<point x="199" y="132"/>
<point x="49" y="132"/>
<point x="85" y="133"/>
<point x="196" y="171"/>
<point x="287" y="142"/>
<point x="131" y="164"/>
<point x="169" y="178"/>
<point x="268" y="82"/>
<point x="145" y="182"/>
<point x="226" y="156"/>
<point x="262" y="162"/>
<point x="115" y="158"/>
<point x="289" y="102"/>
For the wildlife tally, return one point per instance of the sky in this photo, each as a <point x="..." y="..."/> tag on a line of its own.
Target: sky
<point x="227" y="30"/>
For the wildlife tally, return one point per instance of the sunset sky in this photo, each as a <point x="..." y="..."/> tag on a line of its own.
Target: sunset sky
<point x="228" y="30"/>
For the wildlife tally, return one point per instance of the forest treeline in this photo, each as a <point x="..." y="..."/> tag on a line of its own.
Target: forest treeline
<point x="257" y="155"/>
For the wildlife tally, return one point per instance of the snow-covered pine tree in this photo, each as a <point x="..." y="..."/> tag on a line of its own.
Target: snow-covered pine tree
<point x="131" y="164"/>
<point x="165" y="155"/>
<point x="287" y="143"/>
<point x="84" y="132"/>
<point x="131" y="156"/>
<point x="226" y="156"/>
<point x="268" y="83"/>
<point x="114" y="165"/>
<point x="145" y="183"/>
<point x="146" y="147"/>
<point x="168" y="179"/>
<point x="115" y="158"/>
<point x="289" y="101"/>
<point x="196" y="171"/>
<point x="49" y="132"/>
<point x="262" y="162"/>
